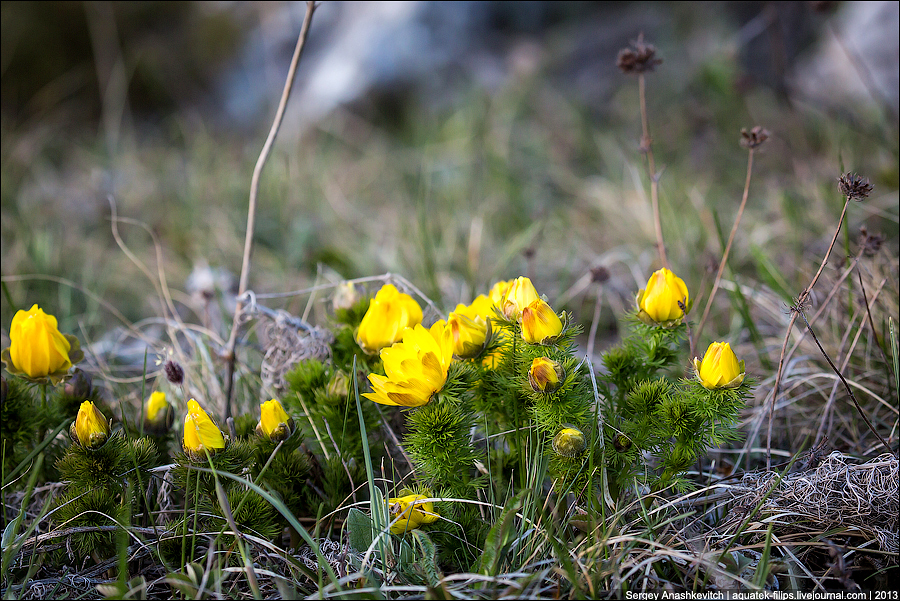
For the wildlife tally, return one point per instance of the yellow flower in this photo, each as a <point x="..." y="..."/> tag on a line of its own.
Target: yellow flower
<point x="469" y="330"/>
<point x="658" y="302"/>
<point x="409" y="513"/>
<point x="274" y="422"/>
<point x="36" y="346"/>
<point x="498" y="292"/>
<point x="569" y="441"/>
<point x="200" y="432"/>
<point x="90" y="429"/>
<point x="545" y="375"/>
<point x="390" y="312"/>
<point x="159" y="414"/>
<point x="416" y="368"/>
<point x="720" y="367"/>
<point x="519" y="295"/>
<point x="540" y="324"/>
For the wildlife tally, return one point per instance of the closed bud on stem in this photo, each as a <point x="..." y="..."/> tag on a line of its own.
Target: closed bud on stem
<point x="90" y="428"/>
<point x="519" y="295"/>
<point x="274" y="422"/>
<point x="469" y="334"/>
<point x="719" y="368"/>
<point x="569" y="442"/>
<point x="159" y="415"/>
<point x="540" y="325"/>
<point x="658" y="303"/>
<point x="389" y="313"/>
<point x="545" y="375"/>
<point x="621" y="442"/>
<point x="200" y="432"/>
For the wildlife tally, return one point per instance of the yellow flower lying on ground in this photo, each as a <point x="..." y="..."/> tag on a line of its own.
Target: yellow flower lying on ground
<point x="274" y="422"/>
<point x="200" y="432"/>
<point x="409" y="513"/>
<point x="36" y="346"/>
<point x="720" y="367"/>
<point x="545" y="375"/>
<point x="90" y="428"/>
<point x="539" y="323"/>
<point x="390" y="312"/>
<point x="519" y="295"/>
<point x="658" y="302"/>
<point x="416" y="368"/>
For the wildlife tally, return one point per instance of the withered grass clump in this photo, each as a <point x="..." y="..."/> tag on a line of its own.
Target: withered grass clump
<point x="858" y="498"/>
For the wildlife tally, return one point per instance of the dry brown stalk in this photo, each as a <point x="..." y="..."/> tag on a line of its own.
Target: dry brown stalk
<point x="254" y="191"/>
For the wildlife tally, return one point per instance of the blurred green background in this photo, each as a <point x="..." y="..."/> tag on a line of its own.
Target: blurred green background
<point x="515" y="151"/>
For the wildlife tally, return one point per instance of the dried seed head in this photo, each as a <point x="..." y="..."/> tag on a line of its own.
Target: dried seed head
<point x="639" y="58"/>
<point x="754" y="138"/>
<point x="870" y="243"/>
<point x="599" y="274"/>
<point x="174" y="372"/>
<point x="854" y="186"/>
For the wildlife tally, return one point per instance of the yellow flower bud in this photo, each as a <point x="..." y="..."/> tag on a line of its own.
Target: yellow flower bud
<point x="416" y="368"/>
<point x="159" y="415"/>
<point x="519" y="295"/>
<point x="658" y="302"/>
<point x="200" y="432"/>
<point x="468" y="334"/>
<point x="720" y="367"/>
<point x="569" y="442"/>
<point x="545" y="375"/>
<point x="36" y="346"/>
<point x="540" y="325"/>
<point x="338" y="385"/>
<point x="274" y="422"/>
<point x="498" y="292"/>
<point x="345" y="296"/>
<point x="90" y="429"/>
<point x="390" y="312"/>
<point x="409" y="513"/>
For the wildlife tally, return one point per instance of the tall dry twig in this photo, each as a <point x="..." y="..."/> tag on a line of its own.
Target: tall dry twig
<point x="254" y="191"/>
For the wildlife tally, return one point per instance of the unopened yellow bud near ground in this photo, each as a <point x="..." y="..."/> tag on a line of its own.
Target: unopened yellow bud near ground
<point x="519" y="295"/>
<point x="415" y="368"/>
<point x="658" y="302"/>
<point x="159" y="415"/>
<point x="720" y="367"/>
<point x="569" y="442"/>
<point x="545" y="375"/>
<point x="274" y="422"/>
<point x="200" y="432"/>
<point x="410" y="512"/>
<point x="37" y="348"/>
<point x="390" y="312"/>
<point x="540" y="324"/>
<point x="90" y="429"/>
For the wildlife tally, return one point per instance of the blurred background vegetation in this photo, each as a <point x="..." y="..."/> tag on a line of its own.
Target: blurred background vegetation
<point x="454" y="144"/>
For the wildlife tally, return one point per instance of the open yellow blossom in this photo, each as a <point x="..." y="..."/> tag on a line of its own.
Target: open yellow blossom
<point x="520" y="294"/>
<point x="90" y="428"/>
<point x="200" y="432"/>
<point x="720" y="367"/>
<point x="37" y="348"/>
<point x="274" y="422"/>
<point x="389" y="313"/>
<point x="545" y="375"/>
<point x="658" y="302"/>
<point x="540" y="325"/>
<point x="416" y="368"/>
<point x="410" y="512"/>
